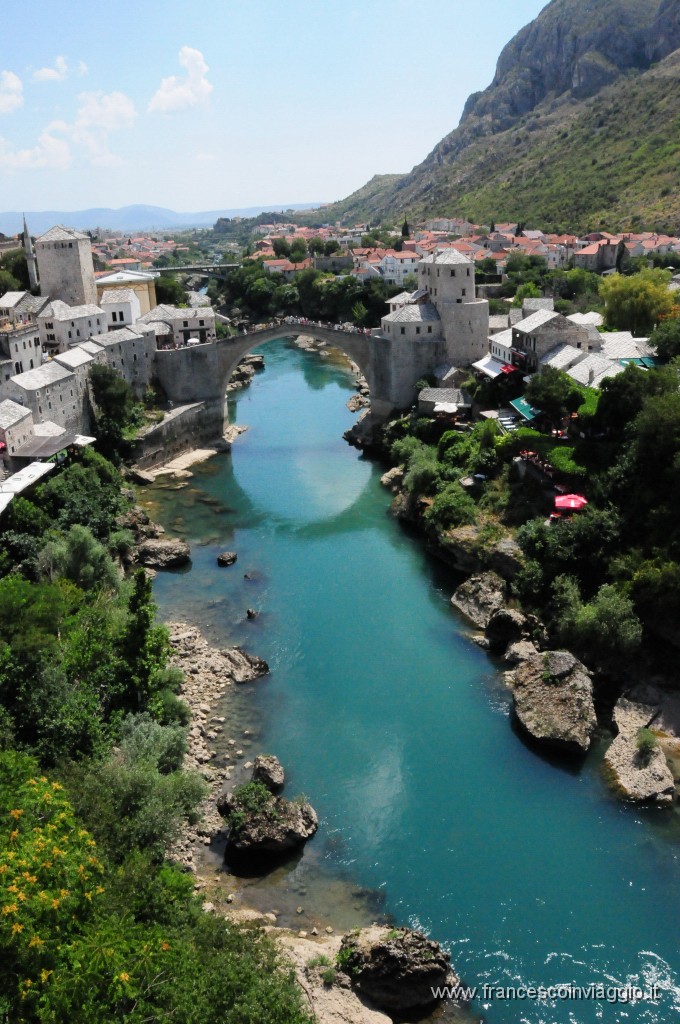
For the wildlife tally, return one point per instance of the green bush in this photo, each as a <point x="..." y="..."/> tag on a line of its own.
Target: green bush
<point x="422" y="474"/>
<point x="451" y="507"/>
<point x="646" y="743"/>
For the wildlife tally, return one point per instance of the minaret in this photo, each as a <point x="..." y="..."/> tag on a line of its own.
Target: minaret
<point x="30" y="258"/>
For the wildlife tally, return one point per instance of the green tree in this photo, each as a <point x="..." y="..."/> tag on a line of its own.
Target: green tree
<point x="553" y="392"/>
<point x="145" y="645"/>
<point x="316" y="245"/>
<point x="8" y="283"/>
<point x="405" y="229"/>
<point x="636" y="303"/>
<point x="666" y="339"/>
<point x="170" y="290"/>
<point x="281" y="248"/>
<point x="526" y="291"/>
<point x="14" y="263"/>
<point x="332" y="246"/>
<point x="79" y="557"/>
<point x="114" y="410"/>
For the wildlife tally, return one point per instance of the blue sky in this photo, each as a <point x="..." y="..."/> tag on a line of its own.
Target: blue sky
<point x="230" y="103"/>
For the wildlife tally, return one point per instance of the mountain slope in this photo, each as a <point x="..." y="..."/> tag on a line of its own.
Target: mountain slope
<point x="577" y="127"/>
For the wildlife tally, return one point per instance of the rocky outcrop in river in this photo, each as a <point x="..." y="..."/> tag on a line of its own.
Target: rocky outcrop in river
<point x="156" y="553"/>
<point x="396" y="969"/>
<point x="638" y="775"/>
<point x="553" y="701"/>
<point x="479" y="597"/>
<point x="262" y="826"/>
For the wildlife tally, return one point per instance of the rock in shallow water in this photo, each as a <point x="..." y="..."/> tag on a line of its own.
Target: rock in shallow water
<point x="227" y="558"/>
<point x="268" y="770"/>
<point x="163" y="554"/>
<point x="553" y="699"/>
<point x="479" y="597"/>
<point x="395" y="968"/>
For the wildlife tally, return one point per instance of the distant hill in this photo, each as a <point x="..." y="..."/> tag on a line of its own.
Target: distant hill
<point x="130" y="218"/>
<point x="579" y="128"/>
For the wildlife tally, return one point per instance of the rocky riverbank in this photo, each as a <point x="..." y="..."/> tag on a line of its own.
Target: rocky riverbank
<point x="209" y="673"/>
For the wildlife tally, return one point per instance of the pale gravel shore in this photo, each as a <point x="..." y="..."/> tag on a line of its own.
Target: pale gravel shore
<point x="180" y="465"/>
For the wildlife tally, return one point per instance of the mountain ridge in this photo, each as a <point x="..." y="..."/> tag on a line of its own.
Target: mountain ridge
<point x="136" y="217"/>
<point x="576" y="55"/>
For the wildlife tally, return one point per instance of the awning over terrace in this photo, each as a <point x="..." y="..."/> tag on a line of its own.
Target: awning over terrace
<point x="526" y="411"/>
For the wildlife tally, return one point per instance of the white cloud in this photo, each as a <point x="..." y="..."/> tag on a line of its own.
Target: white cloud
<point x="82" y="68"/>
<point x="11" y="92"/>
<point x="49" y="152"/>
<point x="56" y="74"/>
<point x="98" y="115"/>
<point x="175" y="93"/>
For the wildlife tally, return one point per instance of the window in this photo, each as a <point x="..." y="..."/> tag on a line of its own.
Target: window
<point x="185" y="323"/>
<point x="114" y="316"/>
<point x="453" y="273"/>
<point x="201" y="323"/>
<point x="120" y="316"/>
<point x="462" y="292"/>
<point x="403" y="330"/>
<point x="429" y="330"/>
<point x="417" y="330"/>
<point x="69" y="334"/>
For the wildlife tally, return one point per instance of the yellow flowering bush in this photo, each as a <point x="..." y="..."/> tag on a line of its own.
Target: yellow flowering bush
<point x="50" y="876"/>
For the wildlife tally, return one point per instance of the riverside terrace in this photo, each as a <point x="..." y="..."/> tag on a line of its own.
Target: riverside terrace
<point x="391" y="365"/>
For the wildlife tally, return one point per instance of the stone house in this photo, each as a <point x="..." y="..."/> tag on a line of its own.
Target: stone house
<point x="16" y="427"/>
<point x="62" y="325"/>
<point x="536" y="335"/>
<point x="121" y="306"/>
<point x="185" y="324"/>
<point x="50" y="393"/>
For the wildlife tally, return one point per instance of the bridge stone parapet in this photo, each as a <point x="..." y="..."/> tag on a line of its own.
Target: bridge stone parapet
<point x="200" y="373"/>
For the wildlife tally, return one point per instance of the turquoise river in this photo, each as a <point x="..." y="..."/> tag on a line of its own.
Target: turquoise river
<point x="397" y="727"/>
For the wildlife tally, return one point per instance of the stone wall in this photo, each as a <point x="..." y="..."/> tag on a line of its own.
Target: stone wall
<point x="183" y="429"/>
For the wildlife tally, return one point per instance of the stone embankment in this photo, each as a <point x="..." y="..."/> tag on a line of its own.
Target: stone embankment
<point x="208" y="674"/>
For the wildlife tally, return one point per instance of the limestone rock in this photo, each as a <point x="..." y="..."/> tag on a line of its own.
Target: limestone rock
<point x="505" y="626"/>
<point x="395" y="968"/>
<point x="268" y="770"/>
<point x="553" y="700"/>
<point x="163" y="554"/>
<point x="479" y="597"/>
<point x="331" y="1004"/>
<point x="393" y="478"/>
<point x="273" y="829"/>
<point x="140" y="476"/>
<point x="520" y="650"/>
<point x="227" y="558"/>
<point x="635" y="778"/>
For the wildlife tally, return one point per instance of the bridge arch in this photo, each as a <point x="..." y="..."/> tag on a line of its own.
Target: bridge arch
<point x="391" y="366"/>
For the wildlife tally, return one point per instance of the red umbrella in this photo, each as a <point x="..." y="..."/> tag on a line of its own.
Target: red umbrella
<point x="571" y="501"/>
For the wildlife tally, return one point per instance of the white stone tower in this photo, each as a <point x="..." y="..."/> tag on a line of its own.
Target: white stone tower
<point x="30" y="258"/>
<point x="449" y="277"/>
<point x="65" y="266"/>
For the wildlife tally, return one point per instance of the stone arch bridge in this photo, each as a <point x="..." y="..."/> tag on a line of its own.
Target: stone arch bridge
<point x="200" y="373"/>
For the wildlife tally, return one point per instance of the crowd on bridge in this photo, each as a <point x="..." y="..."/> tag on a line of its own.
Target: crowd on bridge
<point x="302" y="321"/>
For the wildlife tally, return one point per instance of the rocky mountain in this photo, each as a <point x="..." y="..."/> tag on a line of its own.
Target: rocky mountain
<point x="562" y="88"/>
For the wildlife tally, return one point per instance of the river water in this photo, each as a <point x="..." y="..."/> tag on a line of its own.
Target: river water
<point x="397" y="727"/>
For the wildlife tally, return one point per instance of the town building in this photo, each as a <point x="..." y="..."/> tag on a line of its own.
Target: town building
<point x="65" y="267"/>
<point x="142" y="283"/>
<point x="62" y="325"/>
<point x="16" y="427"/>
<point x="121" y="307"/>
<point x="184" y="324"/>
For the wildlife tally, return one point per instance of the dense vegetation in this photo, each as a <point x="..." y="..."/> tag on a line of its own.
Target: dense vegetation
<point x="606" y="580"/>
<point x="95" y="926"/>
<point x="313" y="294"/>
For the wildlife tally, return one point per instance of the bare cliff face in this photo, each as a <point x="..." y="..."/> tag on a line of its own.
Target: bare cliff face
<point x="569" y="52"/>
<point x="562" y="85"/>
